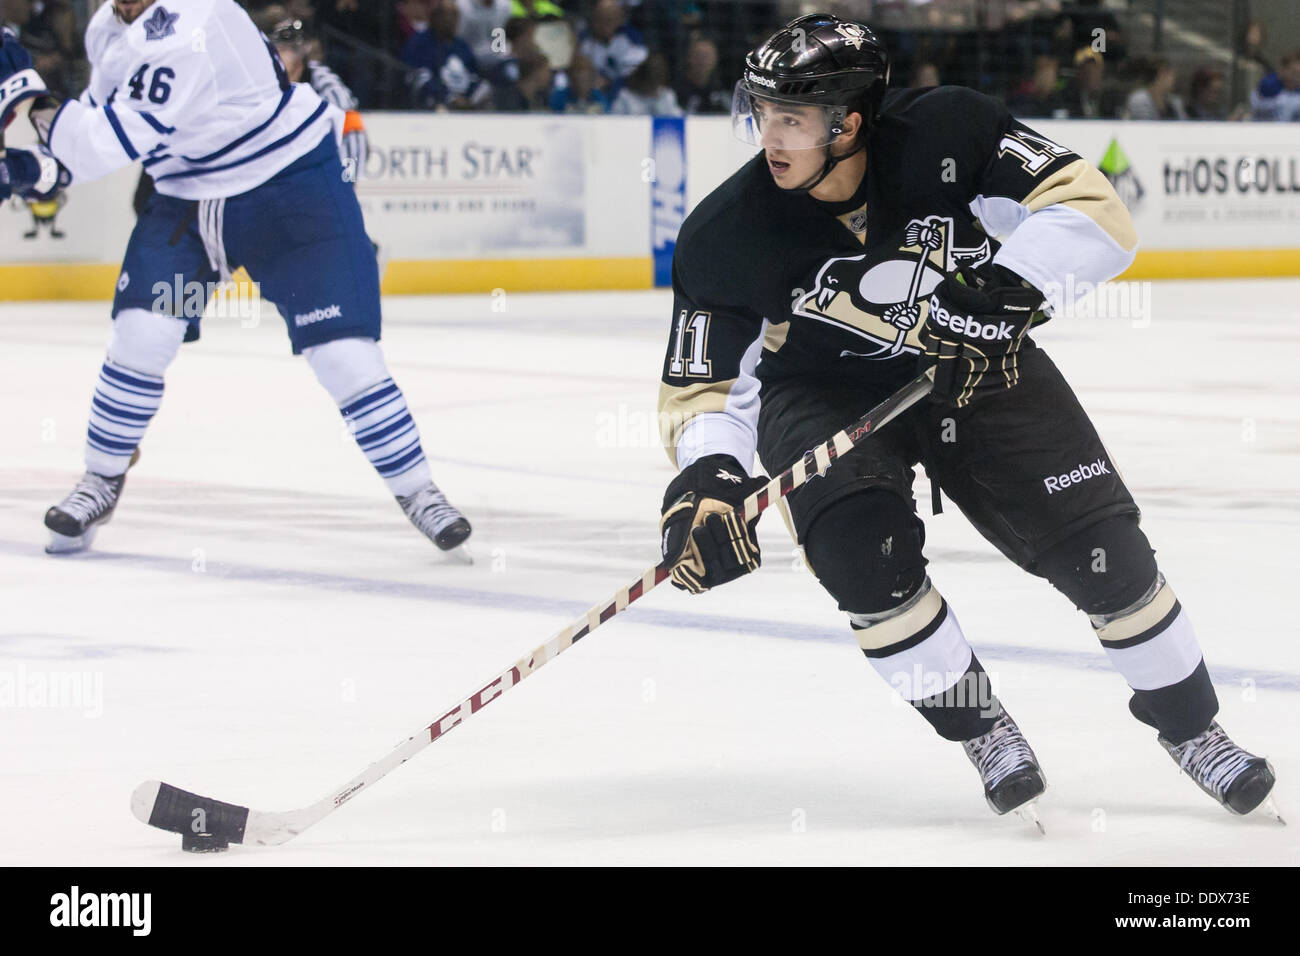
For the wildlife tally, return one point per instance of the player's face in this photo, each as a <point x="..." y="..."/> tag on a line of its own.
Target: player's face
<point x="128" y="10"/>
<point x="791" y="137"/>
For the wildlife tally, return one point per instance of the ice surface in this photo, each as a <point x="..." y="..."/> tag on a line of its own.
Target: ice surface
<point x="263" y="622"/>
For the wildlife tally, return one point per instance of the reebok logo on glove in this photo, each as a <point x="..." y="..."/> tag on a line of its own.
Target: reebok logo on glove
<point x="967" y="326"/>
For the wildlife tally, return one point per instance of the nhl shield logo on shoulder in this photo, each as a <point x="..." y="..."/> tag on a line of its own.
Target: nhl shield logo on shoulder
<point x="160" y="24"/>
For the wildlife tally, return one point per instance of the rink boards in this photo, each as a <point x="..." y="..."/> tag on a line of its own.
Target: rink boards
<point x="527" y="203"/>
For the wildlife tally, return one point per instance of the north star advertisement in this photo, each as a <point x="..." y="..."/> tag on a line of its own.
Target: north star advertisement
<point x="451" y="186"/>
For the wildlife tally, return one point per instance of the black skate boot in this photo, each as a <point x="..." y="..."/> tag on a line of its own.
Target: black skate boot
<point x="430" y="511"/>
<point x="1240" y="781"/>
<point x="1008" y="769"/>
<point x="74" y="521"/>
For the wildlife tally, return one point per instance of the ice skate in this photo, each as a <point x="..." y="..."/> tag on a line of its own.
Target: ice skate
<point x="441" y="523"/>
<point x="75" y="520"/>
<point x="1008" y="769"/>
<point x="1238" y="780"/>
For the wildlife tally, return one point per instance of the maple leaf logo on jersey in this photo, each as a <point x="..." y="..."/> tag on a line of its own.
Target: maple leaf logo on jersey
<point x="884" y="301"/>
<point x="160" y="24"/>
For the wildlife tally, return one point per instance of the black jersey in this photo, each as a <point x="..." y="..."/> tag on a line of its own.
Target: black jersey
<point x="771" y="284"/>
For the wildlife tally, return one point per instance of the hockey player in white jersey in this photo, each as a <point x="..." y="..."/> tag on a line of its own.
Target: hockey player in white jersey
<point x="248" y="173"/>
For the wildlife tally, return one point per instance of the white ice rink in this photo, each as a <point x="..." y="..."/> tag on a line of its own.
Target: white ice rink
<point x="259" y="621"/>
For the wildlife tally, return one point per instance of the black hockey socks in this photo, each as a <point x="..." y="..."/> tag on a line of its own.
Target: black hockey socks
<point x="1180" y="711"/>
<point x="966" y="710"/>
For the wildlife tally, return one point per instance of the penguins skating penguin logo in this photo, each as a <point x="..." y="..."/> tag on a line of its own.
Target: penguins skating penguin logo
<point x="884" y="301"/>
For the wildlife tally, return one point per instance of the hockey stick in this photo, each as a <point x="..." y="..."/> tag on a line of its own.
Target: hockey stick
<point x="207" y="824"/>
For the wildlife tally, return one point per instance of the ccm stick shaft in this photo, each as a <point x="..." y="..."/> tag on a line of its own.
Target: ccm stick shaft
<point x="169" y="808"/>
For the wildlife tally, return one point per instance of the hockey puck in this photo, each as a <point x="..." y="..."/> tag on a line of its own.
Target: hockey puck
<point x="203" y="843"/>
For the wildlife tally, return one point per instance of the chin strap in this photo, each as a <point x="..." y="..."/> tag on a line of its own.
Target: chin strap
<point x="831" y="163"/>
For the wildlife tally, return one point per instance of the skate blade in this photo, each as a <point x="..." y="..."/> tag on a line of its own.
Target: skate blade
<point x="1269" y="809"/>
<point x="70" y="544"/>
<point x="1029" y="813"/>
<point x="461" y="554"/>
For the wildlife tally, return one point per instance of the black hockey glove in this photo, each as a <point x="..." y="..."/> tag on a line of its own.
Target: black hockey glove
<point x="701" y="531"/>
<point x="978" y="318"/>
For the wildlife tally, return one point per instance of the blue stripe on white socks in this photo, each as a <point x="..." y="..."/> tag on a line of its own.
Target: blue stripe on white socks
<point x="384" y="429"/>
<point x="123" y="405"/>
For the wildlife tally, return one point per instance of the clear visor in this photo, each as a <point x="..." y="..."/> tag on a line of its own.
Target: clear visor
<point x="783" y="124"/>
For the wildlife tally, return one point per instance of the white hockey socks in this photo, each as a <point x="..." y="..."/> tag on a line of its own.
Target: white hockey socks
<point x="130" y="387"/>
<point x="1151" y="643"/>
<point x="354" y="373"/>
<point x="920" y="651"/>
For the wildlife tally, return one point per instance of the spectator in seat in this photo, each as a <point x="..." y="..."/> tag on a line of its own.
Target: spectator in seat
<point x="700" y="91"/>
<point x="521" y="36"/>
<point x="1040" y="95"/>
<point x="1277" y="98"/>
<point x="574" y="89"/>
<point x="445" y="70"/>
<point x="362" y="20"/>
<point x="1205" y="95"/>
<point x="612" y="47"/>
<point x="1252" y="63"/>
<point x="1155" y="99"/>
<point x="531" y="90"/>
<point x="483" y="27"/>
<point x="1086" y="96"/>
<point x="412" y="18"/>
<point x="50" y="34"/>
<point x="646" y="91"/>
<point x="925" y="75"/>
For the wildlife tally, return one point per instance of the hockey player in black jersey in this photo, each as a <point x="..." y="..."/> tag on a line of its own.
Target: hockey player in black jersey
<point x="878" y="231"/>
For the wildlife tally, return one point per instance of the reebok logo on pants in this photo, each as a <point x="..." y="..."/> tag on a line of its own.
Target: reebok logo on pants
<point x="318" y="315"/>
<point x="1057" y="483"/>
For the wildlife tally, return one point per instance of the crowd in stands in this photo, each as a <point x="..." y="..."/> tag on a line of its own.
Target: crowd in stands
<point x="676" y="57"/>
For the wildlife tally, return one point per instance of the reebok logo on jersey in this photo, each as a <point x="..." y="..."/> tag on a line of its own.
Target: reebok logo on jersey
<point x="966" y="325"/>
<point x="727" y="476"/>
<point x="1057" y="483"/>
<point x="318" y="315"/>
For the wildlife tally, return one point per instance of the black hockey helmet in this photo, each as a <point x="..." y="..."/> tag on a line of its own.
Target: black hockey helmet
<point x="816" y="60"/>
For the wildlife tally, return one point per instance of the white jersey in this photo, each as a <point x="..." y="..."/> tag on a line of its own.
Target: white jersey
<point x="191" y="90"/>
